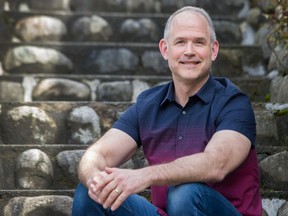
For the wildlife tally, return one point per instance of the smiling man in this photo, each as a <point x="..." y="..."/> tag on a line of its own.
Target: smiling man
<point x="197" y="132"/>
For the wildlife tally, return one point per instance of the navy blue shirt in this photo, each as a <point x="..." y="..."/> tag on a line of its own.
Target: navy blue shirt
<point x="168" y="131"/>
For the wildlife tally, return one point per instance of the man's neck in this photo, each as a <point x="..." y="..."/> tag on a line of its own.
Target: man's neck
<point x="184" y="90"/>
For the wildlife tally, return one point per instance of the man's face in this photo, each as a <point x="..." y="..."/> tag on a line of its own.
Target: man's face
<point x="189" y="49"/>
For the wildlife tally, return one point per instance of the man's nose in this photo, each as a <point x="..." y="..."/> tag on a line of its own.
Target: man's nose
<point x="190" y="49"/>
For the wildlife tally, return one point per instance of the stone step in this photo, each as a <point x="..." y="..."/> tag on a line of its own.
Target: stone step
<point x="227" y="8"/>
<point x="82" y="122"/>
<point x="102" y="26"/>
<point x="26" y="157"/>
<point x="40" y="202"/>
<point x="125" y="88"/>
<point x="116" y="58"/>
<point x="20" y="168"/>
<point x="59" y="202"/>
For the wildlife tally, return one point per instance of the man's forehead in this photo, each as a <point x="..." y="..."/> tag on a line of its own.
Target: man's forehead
<point x="190" y="21"/>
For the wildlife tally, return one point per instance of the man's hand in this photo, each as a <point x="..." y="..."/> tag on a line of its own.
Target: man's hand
<point x="112" y="186"/>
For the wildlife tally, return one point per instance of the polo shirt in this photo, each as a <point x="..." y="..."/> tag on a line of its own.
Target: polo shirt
<point x="168" y="131"/>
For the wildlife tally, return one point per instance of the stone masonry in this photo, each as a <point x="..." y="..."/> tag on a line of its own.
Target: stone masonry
<point x="69" y="68"/>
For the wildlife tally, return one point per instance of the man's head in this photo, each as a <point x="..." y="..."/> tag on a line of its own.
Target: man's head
<point x="194" y="10"/>
<point x="189" y="45"/>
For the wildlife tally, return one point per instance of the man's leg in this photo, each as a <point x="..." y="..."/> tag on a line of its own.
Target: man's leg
<point x="134" y="205"/>
<point x="198" y="199"/>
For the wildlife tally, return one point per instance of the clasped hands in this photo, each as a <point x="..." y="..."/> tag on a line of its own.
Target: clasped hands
<point x="112" y="186"/>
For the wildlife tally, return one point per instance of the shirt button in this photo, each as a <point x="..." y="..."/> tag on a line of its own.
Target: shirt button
<point x="180" y="137"/>
<point x="184" y="112"/>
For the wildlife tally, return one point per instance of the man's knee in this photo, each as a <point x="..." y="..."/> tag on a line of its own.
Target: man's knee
<point x="183" y="197"/>
<point x="81" y="199"/>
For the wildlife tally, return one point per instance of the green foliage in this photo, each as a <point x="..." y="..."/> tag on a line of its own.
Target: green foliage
<point x="281" y="112"/>
<point x="278" y="20"/>
<point x="267" y="97"/>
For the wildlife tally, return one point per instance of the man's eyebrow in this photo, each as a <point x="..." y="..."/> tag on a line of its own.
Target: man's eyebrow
<point x="201" y="39"/>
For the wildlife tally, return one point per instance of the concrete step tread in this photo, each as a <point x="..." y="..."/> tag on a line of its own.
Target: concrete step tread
<point x="132" y="59"/>
<point x="119" y="29"/>
<point x="108" y="44"/>
<point x="260" y="149"/>
<point x="115" y="77"/>
<point x="34" y="192"/>
<point x="105" y="14"/>
<point x="8" y="194"/>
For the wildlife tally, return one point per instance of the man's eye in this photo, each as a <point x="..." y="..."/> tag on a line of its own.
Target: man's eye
<point x="199" y="43"/>
<point x="179" y="42"/>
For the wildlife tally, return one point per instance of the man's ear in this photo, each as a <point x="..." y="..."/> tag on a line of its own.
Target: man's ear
<point x="163" y="48"/>
<point x="215" y="50"/>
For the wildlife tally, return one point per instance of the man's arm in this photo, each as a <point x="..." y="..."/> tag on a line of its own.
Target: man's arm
<point x="224" y="153"/>
<point x="111" y="150"/>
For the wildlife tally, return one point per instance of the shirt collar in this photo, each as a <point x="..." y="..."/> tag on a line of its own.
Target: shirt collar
<point x="205" y="93"/>
<point x="170" y="95"/>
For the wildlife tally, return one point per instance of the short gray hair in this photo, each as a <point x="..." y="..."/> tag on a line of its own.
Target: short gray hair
<point x="190" y="9"/>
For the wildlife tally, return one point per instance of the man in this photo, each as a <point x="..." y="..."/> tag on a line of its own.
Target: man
<point x="197" y="133"/>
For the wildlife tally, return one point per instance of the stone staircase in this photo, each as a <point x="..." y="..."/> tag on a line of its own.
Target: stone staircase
<point x="70" y="68"/>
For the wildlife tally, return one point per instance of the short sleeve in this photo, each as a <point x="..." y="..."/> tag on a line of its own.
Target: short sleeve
<point x="128" y="123"/>
<point x="237" y="114"/>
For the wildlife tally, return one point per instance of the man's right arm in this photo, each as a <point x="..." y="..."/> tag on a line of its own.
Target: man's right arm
<point x="111" y="150"/>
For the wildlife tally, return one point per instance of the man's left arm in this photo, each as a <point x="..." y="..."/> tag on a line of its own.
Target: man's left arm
<point x="224" y="153"/>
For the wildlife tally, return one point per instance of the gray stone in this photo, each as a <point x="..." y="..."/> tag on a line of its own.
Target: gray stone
<point x="154" y="61"/>
<point x="93" y="28"/>
<point x="279" y="60"/>
<point x="283" y="211"/>
<point x="138" y="87"/>
<point x="112" y="60"/>
<point x="26" y="125"/>
<point x="128" y="165"/>
<point x="248" y="34"/>
<point x="130" y="29"/>
<point x="264" y="213"/>
<point x="255" y="17"/>
<point x="255" y="70"/>
<point x="145" y="30"/>
<point x="228" y="32"/>
<point x="58" y="89"/>
<point x="30" y="59"/>
<point x="29" y="84"/>
<point x="223" y="7"/>
<point x="88" y="5"/>
<point x="171" y="5"/>
<point x="34" y="170"/>
<point x="266" y="5"/>
<point x="271" y="206"/>
<point x="115" y="91"/>
<point x="68" y="161"/>
<point x="266" y="128"/>
<point x="233" y="69"/>
<point x="49" y="5"/>
<point x="282" y="60"/>
<point x="1" y="69"/>
<point x="84" y="125"/>
<point x="261" y="40"/>
<point x="93" y="85"/>
<point x="40" y="205"/>
<point x="11" y="91"/>
<point x="279" y="89"/>
<point x="40" y="28"/>
<point x="133" y="6"/>
<point x="274" y="171"/>
<point x="2" y="175"/>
